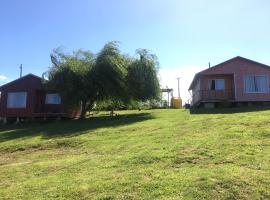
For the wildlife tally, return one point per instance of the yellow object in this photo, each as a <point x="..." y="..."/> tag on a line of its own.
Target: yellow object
<point x="176" y="102"/>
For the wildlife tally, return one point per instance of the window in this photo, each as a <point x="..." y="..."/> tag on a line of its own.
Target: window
<point x="256" y="84"/>
<point x="53" y="99"/>
<point x="216" y="84"/>
<point x="16" y="100"/>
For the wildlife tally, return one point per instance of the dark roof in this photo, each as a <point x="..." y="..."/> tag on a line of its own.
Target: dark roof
<point x="23" y="77"/>
<point x="228" y="61"/>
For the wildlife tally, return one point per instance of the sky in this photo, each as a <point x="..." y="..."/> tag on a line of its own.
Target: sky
<point x="185" y="35"/>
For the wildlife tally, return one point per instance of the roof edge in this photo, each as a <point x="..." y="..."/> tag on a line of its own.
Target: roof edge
<point x="11" y="82"/>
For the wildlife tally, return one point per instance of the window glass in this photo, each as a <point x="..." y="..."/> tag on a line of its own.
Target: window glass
<point x="16" y="100"/>
<point x="250" y="84"/>
<point x="53" y="99"/>
<point x="256" y="84"/>
<point x="217" y="84"/>
<point x="261" y="83"/>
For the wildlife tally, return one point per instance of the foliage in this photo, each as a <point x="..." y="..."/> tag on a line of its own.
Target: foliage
<point x="154" y="154"/>
<point x="71" y="76"/>
<point x="110" y="71"/>
<point x="142" y="80"/>
<point x="110" y="78"/>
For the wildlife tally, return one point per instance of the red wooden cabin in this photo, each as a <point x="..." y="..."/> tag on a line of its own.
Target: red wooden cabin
<point x="27" y="98"/>
<point x="238" y="80"/>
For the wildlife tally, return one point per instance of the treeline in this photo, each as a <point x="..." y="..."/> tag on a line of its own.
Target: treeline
<point x="108" y="77"/>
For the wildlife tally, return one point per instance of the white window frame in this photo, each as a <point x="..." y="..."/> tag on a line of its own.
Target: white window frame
<point x="52" y="103"/>
<point x="11" y="106"/>
<point x="267" y="82"/>
<point x="216" y="79"/>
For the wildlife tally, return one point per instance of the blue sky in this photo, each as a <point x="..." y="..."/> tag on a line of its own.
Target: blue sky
<point x="185" y="35"/>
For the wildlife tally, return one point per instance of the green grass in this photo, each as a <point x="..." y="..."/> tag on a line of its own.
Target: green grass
<point x="155" y="154"/>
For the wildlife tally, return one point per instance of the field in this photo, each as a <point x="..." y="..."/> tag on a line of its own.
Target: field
<point x="153" y="154"/>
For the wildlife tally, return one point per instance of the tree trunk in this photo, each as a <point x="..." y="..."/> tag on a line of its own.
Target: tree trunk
<point x="85" y="107"/>
<point x="83" y="112"/>
<point x="112" y="113"/>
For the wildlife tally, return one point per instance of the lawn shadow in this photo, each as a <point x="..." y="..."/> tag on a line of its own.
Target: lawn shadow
<point x="68" y="128"/>
<point x="229" y="110"/>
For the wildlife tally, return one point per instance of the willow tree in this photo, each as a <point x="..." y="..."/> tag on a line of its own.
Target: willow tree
<point x="110" y="74"/>
<point x="83" y="79"/>
<point x="142" y="78"/>
<point x="71" y="75"/>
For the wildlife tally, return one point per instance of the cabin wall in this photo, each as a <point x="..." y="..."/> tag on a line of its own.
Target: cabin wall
<point x="42" y="107"/>
<point x="28" y="84"/>
<point x="240" y="69"/>
<point x="228" y="79"/>
<point x="35" y="102"/>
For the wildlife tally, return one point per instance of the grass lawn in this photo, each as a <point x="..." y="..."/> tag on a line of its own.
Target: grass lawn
<point x="155" y="154"/>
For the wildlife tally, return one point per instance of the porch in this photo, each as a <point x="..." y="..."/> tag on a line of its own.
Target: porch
<point x="214" y="88"/>
<point x="213" y="96"/>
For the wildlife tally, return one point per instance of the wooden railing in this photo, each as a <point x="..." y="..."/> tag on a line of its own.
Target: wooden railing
<point x="212" y="95"/>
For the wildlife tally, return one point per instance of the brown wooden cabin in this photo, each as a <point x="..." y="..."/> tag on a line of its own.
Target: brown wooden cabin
<point x="26" y="97"/>
<point x="238" y="80"/>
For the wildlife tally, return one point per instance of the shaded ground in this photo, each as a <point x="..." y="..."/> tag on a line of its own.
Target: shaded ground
<point x="156" y="154"/>
<point x="67" y="128"/>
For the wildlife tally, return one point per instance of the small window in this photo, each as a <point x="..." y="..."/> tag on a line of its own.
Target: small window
<point x="256" y="84"/>
<point x="16" y="100"/>
<point x="53" y="99"/>
<point x="216" y="84"/>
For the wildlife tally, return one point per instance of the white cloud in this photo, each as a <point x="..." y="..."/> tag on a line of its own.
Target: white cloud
<point x="168" y="78"/>
<point x="2" y="78"/>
